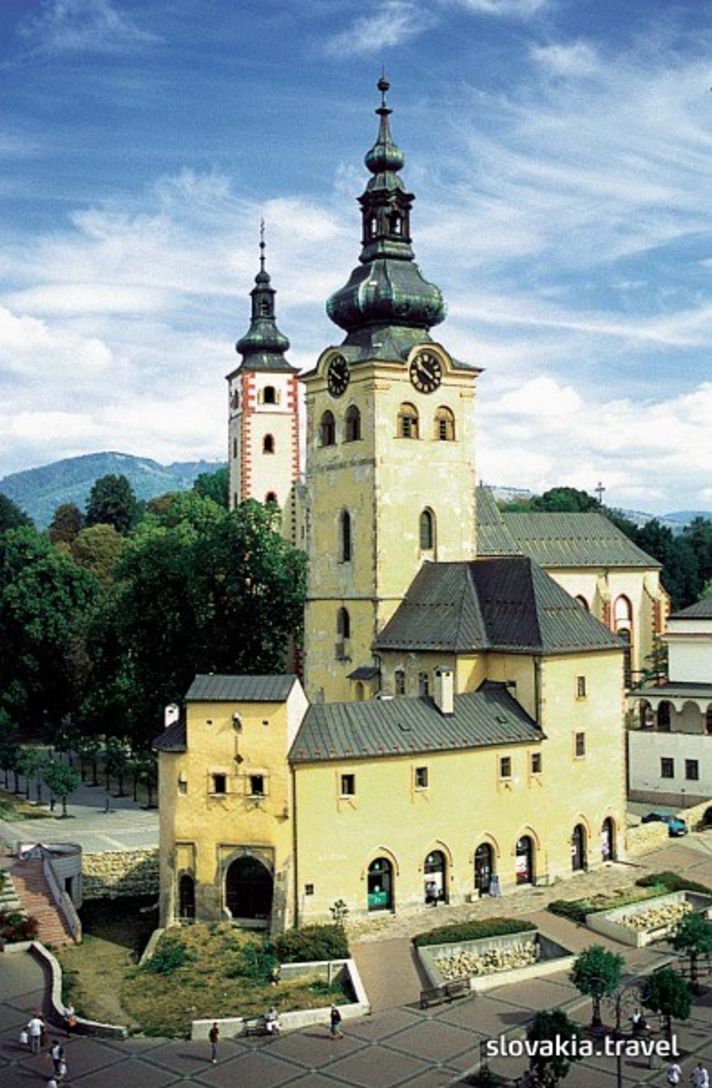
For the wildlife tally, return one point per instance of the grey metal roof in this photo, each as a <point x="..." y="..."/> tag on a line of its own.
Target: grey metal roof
<point x="172" y="739"/>
<point x="555" y="540"/>
<point x="392" y="727"/>
<point x="505" y="603"/>
<point x="675" y="691"/>
<point x="700" y="610"/>
<point x="211" y="688"/>
<point x="364" y="672"/>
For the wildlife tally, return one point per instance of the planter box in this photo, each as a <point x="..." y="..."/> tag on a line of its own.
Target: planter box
<point x="233" y="1026"/>
<point x="553" y="957"/>
<point x="609" y="922"/>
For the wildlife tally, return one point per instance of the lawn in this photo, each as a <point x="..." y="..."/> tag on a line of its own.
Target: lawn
<point x="205" y="972"/>
<point x="14" y="806"/>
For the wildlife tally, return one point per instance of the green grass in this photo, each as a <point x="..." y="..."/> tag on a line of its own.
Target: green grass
<point x="14" y="807"/>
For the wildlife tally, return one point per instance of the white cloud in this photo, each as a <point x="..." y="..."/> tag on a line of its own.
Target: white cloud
<point x="568" y="59"/>
<point x="390" y="23"/>
<point x="92" y="26"/>
<point x="30" y="346"/>
<point x="519" y="9"/>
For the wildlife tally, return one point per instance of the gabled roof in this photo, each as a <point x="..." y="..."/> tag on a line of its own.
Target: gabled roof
<point x="392" y="727"/>
<point x="700" y="610"/>
<point x="172" y="739"/>
<point x="503" y="603"/>
<point x="211" y="688"/>
<point x="555" y="540"/>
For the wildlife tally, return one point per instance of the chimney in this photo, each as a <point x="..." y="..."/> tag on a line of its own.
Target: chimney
<point x="171" y="713"/>
<point x="444" y="690"/>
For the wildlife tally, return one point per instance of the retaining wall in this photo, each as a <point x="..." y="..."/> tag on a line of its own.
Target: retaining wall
<point x="646" y="837"/>
<point x="609" y="924"/>
<point x="118" y="873"/>
<point x="554" y="957"/>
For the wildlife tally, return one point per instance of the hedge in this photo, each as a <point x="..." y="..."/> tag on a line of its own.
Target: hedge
<point x="473" y="930"/>
<point x="673" y="882"/>
<point x="648" y="887"/>
<point x="325" y="942"/>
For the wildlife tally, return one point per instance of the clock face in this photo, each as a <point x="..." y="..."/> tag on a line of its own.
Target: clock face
<point x="338" y="376"/>
<point x="426" y="372"/>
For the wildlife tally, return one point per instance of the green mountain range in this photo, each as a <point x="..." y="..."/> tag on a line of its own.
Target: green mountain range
<point x="39" y="491"/>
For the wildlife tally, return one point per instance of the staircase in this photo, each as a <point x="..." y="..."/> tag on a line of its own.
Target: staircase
<point x="36" y="898"/>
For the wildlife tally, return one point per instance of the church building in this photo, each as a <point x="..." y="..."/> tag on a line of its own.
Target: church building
<point x="459" y="730"/>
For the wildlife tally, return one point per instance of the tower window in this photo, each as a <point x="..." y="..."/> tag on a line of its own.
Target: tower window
<point x="343" y="624"/>
<point x="353" y="424"/>
<point x="427" y="531"/>
<point x="407" y="421"/>
<point x="264" y="308"/>
<point x="327" y="430"/>
<point x="345" y="534"/>
<point x="423" y="683"/>
<point x="218" y="784"/>
<point x="444" y="425"/>
<point x="268" y="443"/>
<point x="271" y="496"/>
<point x="399" y="680"/>
<point x="257" y="785"/>
<point x="373" y="226"/>
<point x="269" y="396"/>
<point x="234" y="447"/>
<point x="396" y="223"/>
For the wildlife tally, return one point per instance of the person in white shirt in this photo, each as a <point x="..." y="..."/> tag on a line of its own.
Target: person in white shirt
<point x="699" y="1077"/>
<point x="674" y="1074"/>
<point x="35" y="1029"/>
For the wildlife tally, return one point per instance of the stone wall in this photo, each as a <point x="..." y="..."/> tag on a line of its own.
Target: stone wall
<point x="645" y="837"/>
<point x="119" y="873"/>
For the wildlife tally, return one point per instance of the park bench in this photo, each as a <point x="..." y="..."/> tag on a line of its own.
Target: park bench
<point x="258" y="1026"/>
<point x="439" y="994"/>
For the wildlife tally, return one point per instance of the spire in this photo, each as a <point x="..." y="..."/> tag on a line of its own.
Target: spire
<point x="263" y="345"/>
<point x="388" y="288"/>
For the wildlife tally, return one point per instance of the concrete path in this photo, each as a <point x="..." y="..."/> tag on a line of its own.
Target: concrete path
<point x="390" y="972"/>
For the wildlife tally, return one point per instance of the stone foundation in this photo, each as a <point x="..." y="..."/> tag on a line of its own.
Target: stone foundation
<point x="118" y="873"/>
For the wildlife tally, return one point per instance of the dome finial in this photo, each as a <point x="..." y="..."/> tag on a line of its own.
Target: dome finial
<point x="263" y="245"/>
<point x="383" y="86"/>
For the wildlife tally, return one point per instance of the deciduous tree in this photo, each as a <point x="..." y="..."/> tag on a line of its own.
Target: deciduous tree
<point x="112" y="502"/>
<point x="597" y="973"/>
<point x="666" y="993"/>
<point x="548" y="1064"/>
<point x="67" y="521"/>
<point x="61" y="780"/>
<point x="693" y="936"/>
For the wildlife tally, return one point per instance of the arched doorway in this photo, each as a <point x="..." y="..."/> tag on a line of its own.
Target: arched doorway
<point x="608" y="839"/>
<point x="484" y="868"/>
<point x="525" y="860"/>
<point x="248" y="889"/>
<point x="578" y="848"/>
<point x="380" y="885"/>
<point x="435" y="878"/>
<point x="186" y="898"/>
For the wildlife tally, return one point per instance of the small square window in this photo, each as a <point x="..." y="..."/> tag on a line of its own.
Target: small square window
<point x="580" y="687"/>
<point x="219" y="783"/>
<point x="257" y="785"/>
<point x="580" y="745"/>
<point x="308" y="889"/>
<point x="348" y="785"/>
<point x="692" y="770"/>
<point x="536" y="762"/>
<point x="667" y="767"/>
<point x="505" y="767"/>
<point x="182" y="786"/>
<point x="421" y="778"/>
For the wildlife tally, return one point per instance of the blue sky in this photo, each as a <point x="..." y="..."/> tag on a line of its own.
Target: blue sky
<point x="561" y="156"/>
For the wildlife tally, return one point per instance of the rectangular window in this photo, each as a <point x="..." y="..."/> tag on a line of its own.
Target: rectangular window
<point x="400" y="682"/>
<point x="308" y="889"/>
<point x="348" y="785"/>
<point x="219" y="783"/>
<point x="505" y="767"/>
<point x="667" y="767"/>
<point x="692" y="770"/>
<point x="423" y="683"/>
<point x="257" y="785"/>
<point x="421" y="778"/>
<point x="182" y="786"/>
<point x="580" y="687"/>
<point x="580" y="745"/>
<point x="536" y="762"/>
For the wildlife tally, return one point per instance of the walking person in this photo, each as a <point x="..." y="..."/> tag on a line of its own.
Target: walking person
<point x="673" y="1075"/>
<point x="56" y="1053"/>
<point x="699" y="1077"/>
<point x="35" y="1028"/>
<point x="213" y="1036"/>
<point x="334" y="1021"/>
<point x="70" y="1019"/>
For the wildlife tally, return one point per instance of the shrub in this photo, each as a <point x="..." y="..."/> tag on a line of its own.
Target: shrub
<point x="325" y="942"/>
<point x="673" y="882"/>
<point x="574" y="909"/>
<point x="473" y="930"/>
<point x="15" y="927"/>
<point x="255" y="960"/>
<point x="169" y="956"/>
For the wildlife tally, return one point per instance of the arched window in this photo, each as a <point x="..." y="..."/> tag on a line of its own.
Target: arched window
<point x="327" y="430"/>
<point x="435" y="878"/>
<point x="271" y="496"/>
<point x="345" y="535"/>
<point x="407" y="421"/>
<point x="353" y="424"/>
<point x="444" y="425"/>
<point x="186" y="898"/>
<point x="268" y="443"/>
<point x="343" y="624"/>
<point x="578" y="848"/>
<point x="427" y="531"/>
<point x="269" y="396"/>
<point x="664" y="717"/>
<point x="583" y="602"/>
<point x="623" y="613"/>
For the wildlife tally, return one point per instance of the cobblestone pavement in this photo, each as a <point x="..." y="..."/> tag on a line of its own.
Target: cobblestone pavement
<point x="402" y="1047"/>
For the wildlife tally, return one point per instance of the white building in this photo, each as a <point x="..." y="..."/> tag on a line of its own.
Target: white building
<point x="670" y="742"/>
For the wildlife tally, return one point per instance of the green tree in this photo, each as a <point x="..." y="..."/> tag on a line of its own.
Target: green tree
<point x="681" y="572"/>
<point x="97" y="549"/>
<point x="61" y="780"/>
<point x="699" y="536"/>
<point x="548" y="1066"/>
<point x="706" y="590"/>
<point x="67" y="521"/>
<point x="12" y="516"/>
<point x="112" y="502"/>
<point x="214" y="485"/>
<point x="88" y="749"/>
<point x="693" y="936"/>
<point x="29" y="764"/>
<point x="9" y="747"/>
<point x="116" y="760"/>
<point x="148" y="774"/>
<point x="44" y="598"/>
<point x="565" y="500"/>
<point x="666" y="993"/>
<point x="597" y="973"/>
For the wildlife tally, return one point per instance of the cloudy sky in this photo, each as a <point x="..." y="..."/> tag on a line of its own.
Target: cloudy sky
<point x="560" y="152"/>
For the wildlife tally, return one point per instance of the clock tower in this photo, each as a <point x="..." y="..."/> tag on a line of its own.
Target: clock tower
<point x="263" y="428"/>
<point x="390" y="443"/>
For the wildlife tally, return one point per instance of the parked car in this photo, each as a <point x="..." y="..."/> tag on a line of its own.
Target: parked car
<point x="675" y="825"/>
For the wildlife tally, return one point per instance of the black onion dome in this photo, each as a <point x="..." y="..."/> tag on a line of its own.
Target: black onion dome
<point x="263" y="345"/>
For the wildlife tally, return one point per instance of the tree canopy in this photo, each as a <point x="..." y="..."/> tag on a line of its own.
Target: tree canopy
<point x="112" y="502"/>
<point x="214" y="485"/>
<point x="597" y="973"/>
<point x="12" y="516"/>
<point x="67" y="521"/>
